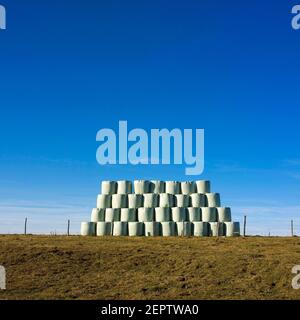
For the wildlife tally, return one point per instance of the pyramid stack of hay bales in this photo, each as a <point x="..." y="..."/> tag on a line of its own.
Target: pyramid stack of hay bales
<point x="158" y="208"/>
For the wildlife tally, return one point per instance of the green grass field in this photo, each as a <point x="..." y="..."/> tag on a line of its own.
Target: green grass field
<point x="57" y="267"/>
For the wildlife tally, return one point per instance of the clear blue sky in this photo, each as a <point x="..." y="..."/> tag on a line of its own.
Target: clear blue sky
<point x="69" y="68"/>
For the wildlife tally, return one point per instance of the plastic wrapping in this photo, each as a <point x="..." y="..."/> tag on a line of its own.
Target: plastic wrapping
<point x="203" y="186"/>
<point x="224" y="214"/>
<point x="182" y="200"/>
<point x="166" y="200"/>
<point x="197" y="200"/>
<point x="188" y="187"/>
<point x="213" y="200"/>
<point x="184" y="229"/>
<point x="157" y="186"/>
<point x="152" y="229"/>
<point x="193" y="214"/>
<point x="124" y="187"/>
<point x="217" y="229"/>
<point x="209" y="214"/>
<point x="108" y="187"/>
<point x="172" y="187"/>
<point x="120" y="228"/>
<point x="97" y="215"/>
<point x="162" y="214"/>
<point x="179" y="214"/>
<point x="112" y="215"/>
<point x="232" y="229"/>
<point x="145" y="214"/>
<point x="201" y="229"/>
<point x="119" y="201"/>
<point x="88" y="229"/>
<point x="141" y="186"/>
<point x="135" y="201"/>
<point x="151" y="200"/>
<point x="135" y="229"/>
<point x="104" y="228"/>
<point x="168" y="229"/>
<point x="104" y="201"/>
<point x="128" y="215"/>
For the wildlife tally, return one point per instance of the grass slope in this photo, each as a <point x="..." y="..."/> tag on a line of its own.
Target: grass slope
<point x="57" y="267"/>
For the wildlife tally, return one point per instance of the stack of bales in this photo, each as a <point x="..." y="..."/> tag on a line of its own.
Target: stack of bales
<point x="158" y="208"/>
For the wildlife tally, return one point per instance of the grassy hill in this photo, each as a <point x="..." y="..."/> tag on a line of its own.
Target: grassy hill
<point x="57" y="267"/>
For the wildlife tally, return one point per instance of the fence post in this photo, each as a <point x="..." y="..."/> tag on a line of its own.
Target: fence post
<point x="292" y="228"/>
<point x="68" y="230"/>
<point x="245" y="223"/>
<point x="25" y="227"/>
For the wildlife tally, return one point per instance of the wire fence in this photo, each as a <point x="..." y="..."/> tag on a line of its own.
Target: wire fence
<point x="68" y="226"/>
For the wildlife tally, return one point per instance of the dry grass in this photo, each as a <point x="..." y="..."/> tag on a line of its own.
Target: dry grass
<point x="45" y="267"/>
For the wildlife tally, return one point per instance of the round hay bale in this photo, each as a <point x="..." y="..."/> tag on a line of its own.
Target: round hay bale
<point x="88" y="229"/>
<point x="97" y="215"/>
<point x="197" y="200"/>
<point x="162" y="214"/>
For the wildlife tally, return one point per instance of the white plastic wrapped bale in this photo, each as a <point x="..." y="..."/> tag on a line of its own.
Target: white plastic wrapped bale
<point x="213" y="200"/>
<point x="104" y="201"/>
<point x="124" y="187"/>
<point x="112" y="215"/>
<point x="135" y="200"/>
<point x="119" y="201"/>
<point x="182" y="200"/>
<point x="217" y="229"/>
<point x="183" y="229"/>
<point x="151" y="200"/>
<point x="145" y="214"/>
<point x="232" y="229"/>
<point x="168" y="229"/>
<point x="209" y="214"/>
<point x="104" y="228"/>
<point x="162" y="214"/>
<point x="157" y="186"/>
<point x="141" y="186"/>
<point x="203" y="186"/>
<point x="166" y="200"/>
<point x="120" y="228"/>
<point x="224" y="214"/>
<point x="152" y="229"/>
<point x="128" y="215"/>
<point x="201" y="229"/>
<point x="193" y="214"/>
<point x="197" y="200"/>
<point x="88" y="229"/>
<point x="109" y="187"/>
<point x="188" y="187"/>
<point x="172" y="187"/>
<point x="179" y="214"/>
<point x="135" y="229"/>
<point x="97" y="215"/>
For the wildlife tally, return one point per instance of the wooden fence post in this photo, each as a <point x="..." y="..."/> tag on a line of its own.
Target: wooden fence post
<point x="25" y="227"/>
<point x="68" y="230"/>
<point x="245" y="223"/>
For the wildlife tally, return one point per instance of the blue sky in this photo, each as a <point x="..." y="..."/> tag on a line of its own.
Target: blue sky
<point x="68" y="69"/>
